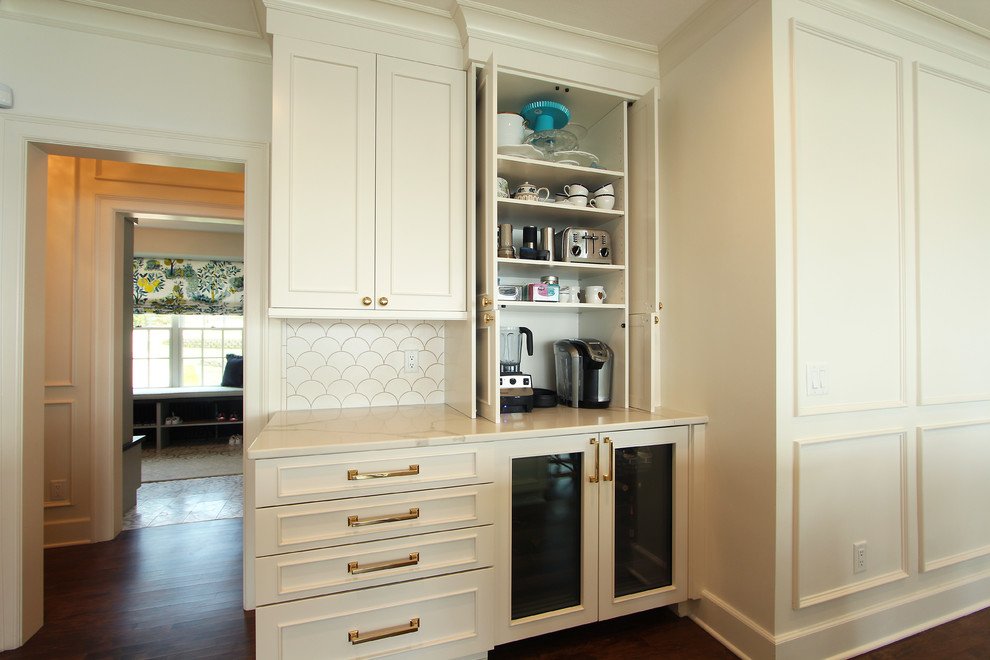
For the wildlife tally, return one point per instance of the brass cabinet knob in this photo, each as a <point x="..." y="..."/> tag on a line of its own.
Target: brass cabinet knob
<point x="383" y="301"/>
<point x="488" y="318"/>
<point x="366" y="300"/>
<point x="486" y="301"/>
<point x="656" y="320"/>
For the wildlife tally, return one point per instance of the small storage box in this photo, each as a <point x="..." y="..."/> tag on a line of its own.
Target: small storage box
<point x="543" y="292"/>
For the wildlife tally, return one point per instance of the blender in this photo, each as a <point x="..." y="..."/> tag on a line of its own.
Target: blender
<point x="515" y="387"/>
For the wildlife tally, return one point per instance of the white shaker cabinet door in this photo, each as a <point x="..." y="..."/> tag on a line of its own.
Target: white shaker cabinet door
<point x="323" y="176"/>
<point x="422" y="187"/>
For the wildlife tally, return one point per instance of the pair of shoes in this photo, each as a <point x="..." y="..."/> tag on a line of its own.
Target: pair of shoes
<point x="235" y="439"/>
<point x="221" y="417"/>
<point x="173" y="419"/>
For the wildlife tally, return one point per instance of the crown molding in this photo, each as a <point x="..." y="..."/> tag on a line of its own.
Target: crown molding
<point x="95" y="18"/>
<point x="502" y="27"/>
<point x="926" y="8"/>
<point x="102" y="4"/>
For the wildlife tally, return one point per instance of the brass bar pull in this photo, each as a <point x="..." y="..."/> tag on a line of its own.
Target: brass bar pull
<point x="354" y="636"/>
<point x="355" y="569"/>
<point x="594" y="479"/>
<point x="353" y="475"/>
<point x="354" y="521"/>
<point x="608" y="445"/>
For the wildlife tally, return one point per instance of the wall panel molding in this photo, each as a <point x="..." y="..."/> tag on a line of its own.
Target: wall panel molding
<point x="848" y="134"/>
<point x="849" y="489"/>
<point x="953" y="493"/>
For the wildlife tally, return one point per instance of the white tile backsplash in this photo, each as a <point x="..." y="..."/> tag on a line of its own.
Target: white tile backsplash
<point x="354" y="364"/>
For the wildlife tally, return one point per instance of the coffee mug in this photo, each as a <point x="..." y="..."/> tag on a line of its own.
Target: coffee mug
<point x="568" y="294"/>
<point x="510" y="128"/>
<point x="502" y="187"/>
<point x="575" y="189"/>
<point x="594" y="294"/>
<point x="602" y="201"/>
<point x="578" y="200"/>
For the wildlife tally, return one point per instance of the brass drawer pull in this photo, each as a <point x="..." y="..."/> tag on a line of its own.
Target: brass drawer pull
<point x="608" y="475"/>
<point x="354" y="569"/>
<point x="594" y="479"/>
<point x="354" y="636"/>
<point x="354" y="521"/>
<point x="353" y="475"/>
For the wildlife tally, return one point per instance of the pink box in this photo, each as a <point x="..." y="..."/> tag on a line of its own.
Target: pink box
<point x="543" y="292"/>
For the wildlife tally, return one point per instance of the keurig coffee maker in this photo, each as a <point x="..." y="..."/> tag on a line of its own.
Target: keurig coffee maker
<point x="584" y="372"/>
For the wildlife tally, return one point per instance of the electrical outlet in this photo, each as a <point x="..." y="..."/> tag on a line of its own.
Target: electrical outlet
<point x="57" y="490"/>
<point x="859" y="557"/>
<point x="412" y="362"/>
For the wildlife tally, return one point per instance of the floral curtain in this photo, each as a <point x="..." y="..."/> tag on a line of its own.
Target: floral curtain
<point x="187" y="286"/>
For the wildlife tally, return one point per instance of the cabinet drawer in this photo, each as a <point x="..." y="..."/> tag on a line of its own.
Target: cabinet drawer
<point x="441" y="617"/>
<point x="315" y="478"/>
<point x="338" y="522"/>
<point x="318" y="572"/>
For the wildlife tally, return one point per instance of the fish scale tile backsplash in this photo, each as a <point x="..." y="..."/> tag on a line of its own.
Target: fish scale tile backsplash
<point x="354" y="364"/>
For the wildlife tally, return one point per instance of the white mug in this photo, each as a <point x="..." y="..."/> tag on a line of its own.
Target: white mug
<point x="578" y="200"/>
<point x="510" y="128"/>
<point x="602" y="201"/>
<point x="595" y="295"/>
<point x="575" y="189"/>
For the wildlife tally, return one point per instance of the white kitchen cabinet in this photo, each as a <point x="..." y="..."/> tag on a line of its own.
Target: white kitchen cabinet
<point x="362" y="554"/>
<point x="368" y="185"/>
<point x="621" y="132"/>
<point x="591" y="526"/>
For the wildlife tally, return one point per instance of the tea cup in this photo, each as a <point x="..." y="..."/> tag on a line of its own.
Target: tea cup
<point x="502" y="187"/>
<point x="606" y="202"/>
<point x="575" y="189"/>
<point x="510" y="128"/>
<point x="578" y="200"/>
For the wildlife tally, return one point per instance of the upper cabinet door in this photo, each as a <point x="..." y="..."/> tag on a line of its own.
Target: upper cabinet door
<point x="643" y="213"/>
<point x="323" y="176"/>
<point x="422" y="187"/>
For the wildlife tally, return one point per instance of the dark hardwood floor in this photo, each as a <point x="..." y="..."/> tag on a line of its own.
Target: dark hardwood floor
<point x="175" y="592"/>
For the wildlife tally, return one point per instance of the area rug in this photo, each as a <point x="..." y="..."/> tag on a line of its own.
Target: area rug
<point x="190" y="462"/>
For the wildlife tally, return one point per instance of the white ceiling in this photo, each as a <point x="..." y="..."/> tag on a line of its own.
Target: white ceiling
<point x="644" y="21"/>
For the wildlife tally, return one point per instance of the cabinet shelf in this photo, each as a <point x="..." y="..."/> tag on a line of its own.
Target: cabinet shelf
<point x="524" y="267"/>
<point x="553" y="175"/>
<point x="518" y="210"/>
<point x="563" y="308"/>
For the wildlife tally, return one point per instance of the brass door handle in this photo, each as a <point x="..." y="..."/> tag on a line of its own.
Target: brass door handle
<point x="355" y="521"/>
<point x="353" y="475"/>
<point x="366" y="300"/>
<point x="383" y="301"/>
<point x="355" y="637"/>
<point x="354" y="568"/>
<point x="608" y="476"/>
<point x="594" y="479"/>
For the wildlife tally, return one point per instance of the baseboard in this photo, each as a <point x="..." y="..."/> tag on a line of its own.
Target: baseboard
<point x="846" y="636"/>
<point x="888" y="622"/>
<point x="732" y="628"/>
<point x="60" y="533"/>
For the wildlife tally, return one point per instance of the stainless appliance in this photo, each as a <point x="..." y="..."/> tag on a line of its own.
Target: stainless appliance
<point x="515" y="387"/>
<point x="583" y="245"/>
<point x="584" y="372"/>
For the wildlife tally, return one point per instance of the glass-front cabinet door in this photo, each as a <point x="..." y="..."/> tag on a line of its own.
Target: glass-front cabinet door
<point x="547" y="542"/>
<point x="642" y="520"/>
<point x="590" y="527"/>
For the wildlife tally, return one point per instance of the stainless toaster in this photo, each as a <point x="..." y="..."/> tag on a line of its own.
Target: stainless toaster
<point x="583" y="245"/>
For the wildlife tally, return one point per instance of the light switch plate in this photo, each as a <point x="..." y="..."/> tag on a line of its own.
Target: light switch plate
<point x="817" y="379"/>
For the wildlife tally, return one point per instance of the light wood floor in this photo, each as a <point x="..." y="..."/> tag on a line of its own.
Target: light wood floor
<point x="175" y="592"/>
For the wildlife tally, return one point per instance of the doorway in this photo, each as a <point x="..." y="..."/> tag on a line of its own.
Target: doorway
<point x="27" y="144"/>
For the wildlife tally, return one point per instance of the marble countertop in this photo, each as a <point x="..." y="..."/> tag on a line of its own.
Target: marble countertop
<point x="310" y="432"/>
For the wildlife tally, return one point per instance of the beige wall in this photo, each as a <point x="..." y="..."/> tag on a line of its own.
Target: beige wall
<point x="187" y="244"/>
<point x="85" y="195"/>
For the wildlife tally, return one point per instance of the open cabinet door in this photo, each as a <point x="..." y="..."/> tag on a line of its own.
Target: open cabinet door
<point x="487" y="321"/>
<point x="643" y="219"/>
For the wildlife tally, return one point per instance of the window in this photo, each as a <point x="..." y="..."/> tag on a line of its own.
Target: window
<point x="183" y="350"/>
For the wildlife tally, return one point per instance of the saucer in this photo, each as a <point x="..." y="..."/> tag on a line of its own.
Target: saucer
<point x="581" y="158"/>
<point x="521" y="150"/>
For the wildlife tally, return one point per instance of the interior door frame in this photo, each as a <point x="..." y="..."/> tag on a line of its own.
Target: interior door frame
<point x="26" y="143"/>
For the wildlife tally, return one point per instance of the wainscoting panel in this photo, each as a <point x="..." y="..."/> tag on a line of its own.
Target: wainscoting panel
<point x="354" y="364"/>
<point x="953" y="493"/>
<point x="953" y="158"/>
<point x="58" y="446"/>
<point x="849" y="490"/>
<point x="849" y="269"/>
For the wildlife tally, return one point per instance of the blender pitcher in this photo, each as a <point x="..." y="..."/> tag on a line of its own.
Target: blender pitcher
<point x="511" y="348"/>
